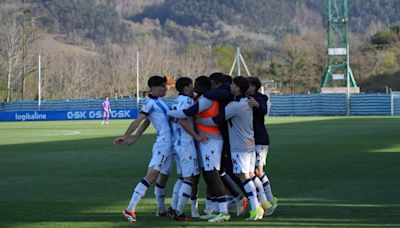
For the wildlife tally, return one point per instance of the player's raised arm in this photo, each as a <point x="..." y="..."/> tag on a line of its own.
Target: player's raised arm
<point x="132" y="128"/>
<point x="142" y="128"/>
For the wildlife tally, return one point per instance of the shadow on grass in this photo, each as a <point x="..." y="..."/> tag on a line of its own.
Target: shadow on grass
<point x="324" y="172"/>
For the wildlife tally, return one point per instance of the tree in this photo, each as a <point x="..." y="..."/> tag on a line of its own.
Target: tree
<point x="3" y="87"/>
<point x="295" y="62"/>
<point x="382" y="38"/>
<point x="9" y="48"/>
<point x="29" y="33"/>
<point x="224" y="56"/>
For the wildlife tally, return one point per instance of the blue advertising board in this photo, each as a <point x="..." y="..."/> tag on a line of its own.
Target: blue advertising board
<point x="66" y="115"/>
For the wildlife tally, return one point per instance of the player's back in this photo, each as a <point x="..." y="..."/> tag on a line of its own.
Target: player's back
<point x="240" y="126"/>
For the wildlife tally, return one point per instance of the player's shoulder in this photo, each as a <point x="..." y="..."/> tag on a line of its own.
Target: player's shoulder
<point x="148" y="101"/>
<point x="204" y="98"/>
<point x="260" y="96"/>
<point x="188" y="100"/>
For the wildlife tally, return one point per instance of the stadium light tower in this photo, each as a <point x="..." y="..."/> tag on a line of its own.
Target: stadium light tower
<point x="338" y="68"/>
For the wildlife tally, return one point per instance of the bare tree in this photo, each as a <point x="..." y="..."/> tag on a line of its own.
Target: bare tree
<point x="29" y="33"/>
<point x="9" y="47"/>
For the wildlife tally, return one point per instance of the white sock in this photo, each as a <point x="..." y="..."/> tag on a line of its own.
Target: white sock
<point x="175" y="193"/>
<point x="251" y="193"/>
<point x="195" y="203"/>
<point x="159" y="192"/>
<point x="215" y="205"/>
<point x="208" y="204"/>
<point x="267" y="187"/>
<point x="184" y="196"/>
<point x="138" y="193"/>
<point x="223" y="205"/>
<point x="262" y="198"/>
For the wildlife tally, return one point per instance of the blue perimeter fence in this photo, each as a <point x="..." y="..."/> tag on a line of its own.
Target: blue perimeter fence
<point x="280" y="105"/>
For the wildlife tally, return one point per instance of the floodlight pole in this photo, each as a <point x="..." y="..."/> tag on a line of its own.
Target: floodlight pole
<point x="137" y="81"/>
<point x="8" y="84"/>
<point x="238" y="60"/>
<point x="391" y="104"/>
<point x="39" y="82"/>
<point x="348" y="80"/>
<point x="233" y="66"/>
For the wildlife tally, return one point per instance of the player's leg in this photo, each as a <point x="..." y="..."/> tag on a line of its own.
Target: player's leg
<point x="225" y="166"/>
<point x="189" y="167"/>
<point x="211" y="155"/>
<point x="242" y="167"/>
<point x="262" y="198"/>
<point x="138" y="193"/>
<point x="260" y="163"/>
<point x="162" y="161"/>
<point x="175" y="195"/>
<point x="195" y="195"/>
<point x="104" y="118"/>
<point x="160" y="188"/>
<point x="177" y="186"/>
<point x="159" y="193"/>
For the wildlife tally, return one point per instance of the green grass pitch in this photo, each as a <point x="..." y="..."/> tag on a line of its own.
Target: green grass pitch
<point x="326" y="171"/>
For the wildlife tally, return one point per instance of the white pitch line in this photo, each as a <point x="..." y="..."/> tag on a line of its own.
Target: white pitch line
<point x="65" y="133"/>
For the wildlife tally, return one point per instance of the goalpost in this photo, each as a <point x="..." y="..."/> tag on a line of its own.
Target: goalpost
<point x="395" y="103"/>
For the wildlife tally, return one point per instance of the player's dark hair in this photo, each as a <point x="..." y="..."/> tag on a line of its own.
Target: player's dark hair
<point x="156" y="81"/>
<point x="255" y="81"/>
<point x="242" y="83"/>
<point x="203" y="81"/>
<point x="181" y="83"/>
<point x="228" y="79"/>
<point x="217" y="77"/>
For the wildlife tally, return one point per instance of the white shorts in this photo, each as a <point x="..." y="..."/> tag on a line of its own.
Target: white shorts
<point x="243" y="162"/>
<point x="187" y="159"/>
<point x="170" y="161"/>
<point x="162" y="157"/>
<point x="210" y="153"/>
<point x="261" y="155"/>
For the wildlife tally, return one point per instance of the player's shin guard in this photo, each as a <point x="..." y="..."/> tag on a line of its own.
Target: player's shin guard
<point x="159" y="192"/>
<point x="184" y="196"/>
<point x="251" y="193"/>
<point x="262" y="198"/>
<point x="175" y="193"/>
<point x="138" y="193"/>
<point x="267" y="187"/>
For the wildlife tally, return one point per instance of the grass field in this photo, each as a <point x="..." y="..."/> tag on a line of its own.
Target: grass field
<point x="326" y="171"/>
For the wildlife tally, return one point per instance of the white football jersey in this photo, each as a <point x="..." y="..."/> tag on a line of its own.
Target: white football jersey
<point x="180" y="135"/>
<point x="156" y="109"/>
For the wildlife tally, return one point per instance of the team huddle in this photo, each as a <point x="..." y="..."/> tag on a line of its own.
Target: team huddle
<point x="220" y="132"/>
